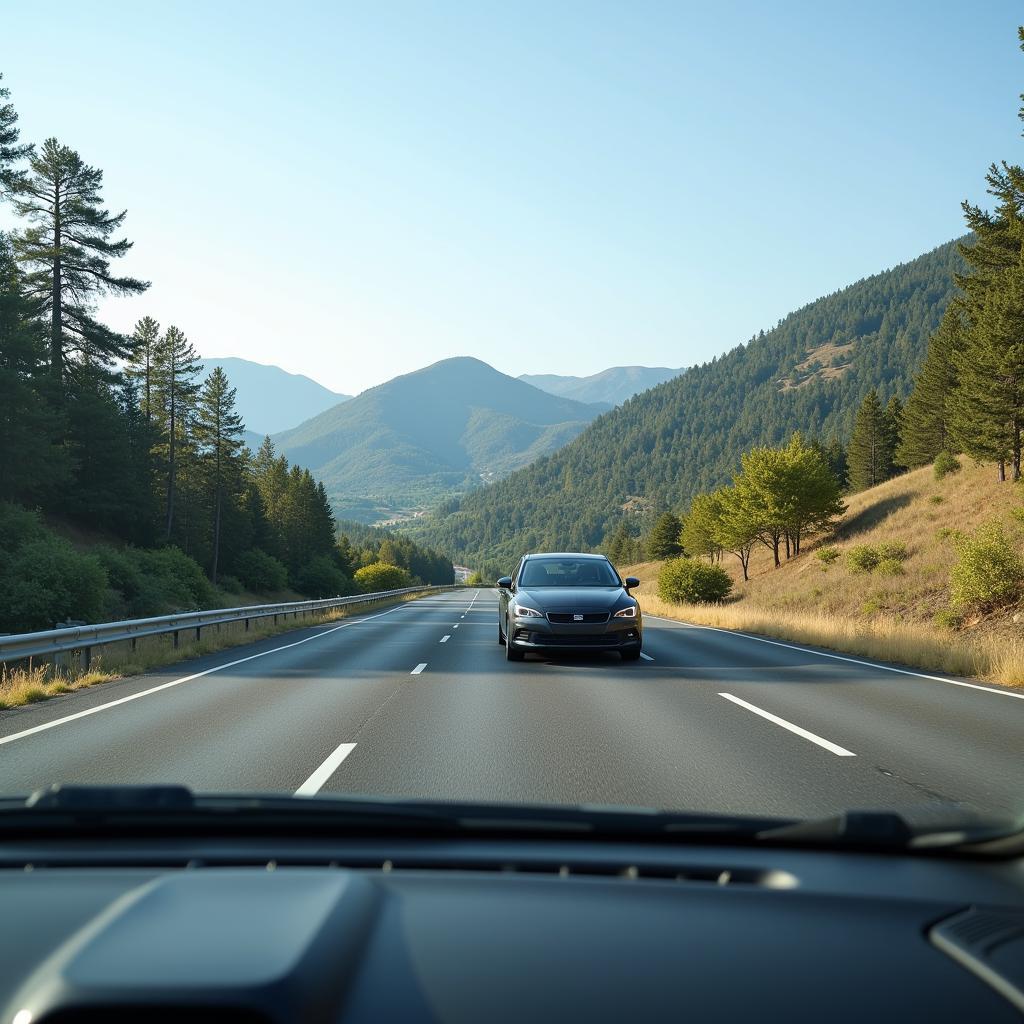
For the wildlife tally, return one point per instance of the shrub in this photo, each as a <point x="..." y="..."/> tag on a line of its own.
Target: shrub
<point x="259" y="571"/>
<point x="988" y="572"/>
<point x="381" y="576"/>
<point x="321" y="577"/>
<point x="177" y="580"/>
<point x="18" y="526"/>
<point x="862" y="558"/>
<point x="945" y="532"/>
<point x="828" y="554"/>
<point x="230" y="584"/>
<point x="945" y="463"/>
<point x="889" y="567"/>
<point x="687" y="580"/>
<point x="948" y="619"/>
<point x="47" y="581"/>
<point x="936" y="499"/>
<point x="895" y="550"/>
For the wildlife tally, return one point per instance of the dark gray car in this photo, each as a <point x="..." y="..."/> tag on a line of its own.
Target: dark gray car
<point x="568" y="602"/>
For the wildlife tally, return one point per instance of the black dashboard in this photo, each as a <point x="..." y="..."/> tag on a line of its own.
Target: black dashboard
<point x="459" y="931"/>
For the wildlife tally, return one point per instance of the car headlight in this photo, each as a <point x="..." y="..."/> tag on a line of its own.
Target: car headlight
<point x="627" y="613"/>
<point x="522" y="612"/>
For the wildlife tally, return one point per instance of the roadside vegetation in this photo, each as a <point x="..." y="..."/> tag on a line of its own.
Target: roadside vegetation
<point x="901" y="577"/>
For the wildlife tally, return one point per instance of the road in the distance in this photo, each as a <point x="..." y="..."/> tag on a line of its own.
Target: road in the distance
<point x="418" y="700"/>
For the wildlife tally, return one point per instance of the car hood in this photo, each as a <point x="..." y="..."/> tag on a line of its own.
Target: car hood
<point x="571" y="599"/>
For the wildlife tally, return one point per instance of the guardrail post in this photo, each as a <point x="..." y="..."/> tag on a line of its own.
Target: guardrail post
<point x="174" y="635"/>
<point x="247" y="625"/>
<point x="198" y="637"/>
<point x="86" y="658"/>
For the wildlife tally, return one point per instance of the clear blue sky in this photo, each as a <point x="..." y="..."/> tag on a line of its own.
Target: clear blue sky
<point x="355" y="190"/>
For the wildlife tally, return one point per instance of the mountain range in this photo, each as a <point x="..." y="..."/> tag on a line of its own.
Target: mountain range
<point x="809" y="373"/>
<point x="612" y="386"/>
<point x="269" y="398"/>
<point x="420" y="437"/>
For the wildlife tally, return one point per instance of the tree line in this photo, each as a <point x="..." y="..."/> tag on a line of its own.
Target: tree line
<point x="117" y="433"/>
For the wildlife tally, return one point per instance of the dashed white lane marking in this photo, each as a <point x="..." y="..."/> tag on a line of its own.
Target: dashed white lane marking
<point x="445" y="638"/>
<point x="418" y="669"/>
<point x="473" y="602"/>
<point x="186" y="679"/>
<point x="840" y="657"/>
<point x="827" y="744"/>
<point x="456" y="626"/>
<point x="646" y="657"/>
<point x="313" y="784"/>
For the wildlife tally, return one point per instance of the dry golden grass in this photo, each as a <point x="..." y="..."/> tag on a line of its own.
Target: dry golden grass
<point x="27" y="685"/>
<point x="888" y="618"/>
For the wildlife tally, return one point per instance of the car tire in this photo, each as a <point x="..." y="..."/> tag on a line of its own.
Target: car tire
<point x="511" y="654"/>
<point x="631" y="654"/>
<point x="501" y="636"/>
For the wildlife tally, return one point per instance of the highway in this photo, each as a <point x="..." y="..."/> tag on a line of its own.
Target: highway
<point x="418" y="700"/>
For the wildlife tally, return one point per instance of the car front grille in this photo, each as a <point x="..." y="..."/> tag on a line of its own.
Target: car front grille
<point x="591" y="617"/>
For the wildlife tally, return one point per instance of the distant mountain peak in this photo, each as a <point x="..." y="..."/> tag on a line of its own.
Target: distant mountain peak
<point x="612" y="386"/>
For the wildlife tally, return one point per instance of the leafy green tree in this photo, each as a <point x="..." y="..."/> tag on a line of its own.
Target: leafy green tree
<point x="67" y="250"/>
<point x="702" y="526"/>
<point x="764" y="493"/>
<point x="380" y="576"/>
<point x="809" y="496"/>
<point x="926" y="418"/>
<point x="175" y="388"/>
<point x="870" y="452"/>
<point x="663" y="541"/>
<point x="218" y="436"/>
<point x="738" y="528"/>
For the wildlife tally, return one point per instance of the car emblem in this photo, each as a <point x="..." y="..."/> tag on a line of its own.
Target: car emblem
<point x="577" y="617"/>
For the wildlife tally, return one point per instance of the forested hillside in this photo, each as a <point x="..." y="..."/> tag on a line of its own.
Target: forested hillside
<point x="117" y="438"/>
<point x="809" y="373"/>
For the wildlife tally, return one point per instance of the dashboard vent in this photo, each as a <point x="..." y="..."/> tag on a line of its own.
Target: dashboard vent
<point x="990" y="944"/>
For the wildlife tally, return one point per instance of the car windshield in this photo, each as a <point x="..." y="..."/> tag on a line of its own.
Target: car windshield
<point x="315" y="337"/>
<point x="568" y="572"/>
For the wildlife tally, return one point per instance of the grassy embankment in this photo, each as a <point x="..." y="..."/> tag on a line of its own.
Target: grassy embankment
<point x="27" y="685"/>
<point x="884" y="617"/>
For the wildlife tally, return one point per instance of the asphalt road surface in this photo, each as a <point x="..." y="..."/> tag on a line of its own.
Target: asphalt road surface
<point x="418" y="700"/>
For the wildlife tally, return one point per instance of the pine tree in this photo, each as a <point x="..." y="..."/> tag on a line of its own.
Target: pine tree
<point x="218" y="436"/>
<point x="141" y="366"/>
<point x="870" y="451"/>
<point x="67" y="251"/>
<point x="33" y="462"/>
<point x="988" y="405"/>
<point x="926" y="416"/>
<point x="663" y="541"/>
<point x="174" y="384"/>
<point x="11" y="151"/>
<point x="893" y="427"/>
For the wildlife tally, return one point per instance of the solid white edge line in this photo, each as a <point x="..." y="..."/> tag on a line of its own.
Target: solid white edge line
<point x="646" y="657"/>
<point x="827" y="744"/>
<point x="841" y="657"/>
<point x="445" y="639"/>
<point x="313" y="784"/>
<point x="186" y="679"/>
<point x="418" y="669"/>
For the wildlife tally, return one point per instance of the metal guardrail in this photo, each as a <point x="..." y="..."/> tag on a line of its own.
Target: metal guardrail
<point x="50" y="642"/>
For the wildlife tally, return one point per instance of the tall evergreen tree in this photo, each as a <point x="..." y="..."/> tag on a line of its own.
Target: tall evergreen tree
<point x="219" y="432"/>
<point x="870" y="453"/>
<point x="926" y="417"/>
<point x="176" y="368"/>
<point x="33" y="463"/>
<point x="894" y="427"/>
<point x="663" y="540"/>
<point x="11" y="150"/>
<point x="141" y="366"/>
<point x="67" y="251"/>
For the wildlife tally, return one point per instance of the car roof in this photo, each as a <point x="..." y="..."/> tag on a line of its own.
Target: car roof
<point x="565" y="554"/>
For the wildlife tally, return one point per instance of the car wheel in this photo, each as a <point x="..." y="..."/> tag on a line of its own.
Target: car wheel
<point x="631" y="654"/>
<point x="511" y="654"/>
<point x="501" y="636"/>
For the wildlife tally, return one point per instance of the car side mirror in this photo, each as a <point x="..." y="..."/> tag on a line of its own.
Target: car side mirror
<point x="505" y="583"/>
<point x="631" y="582"/>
